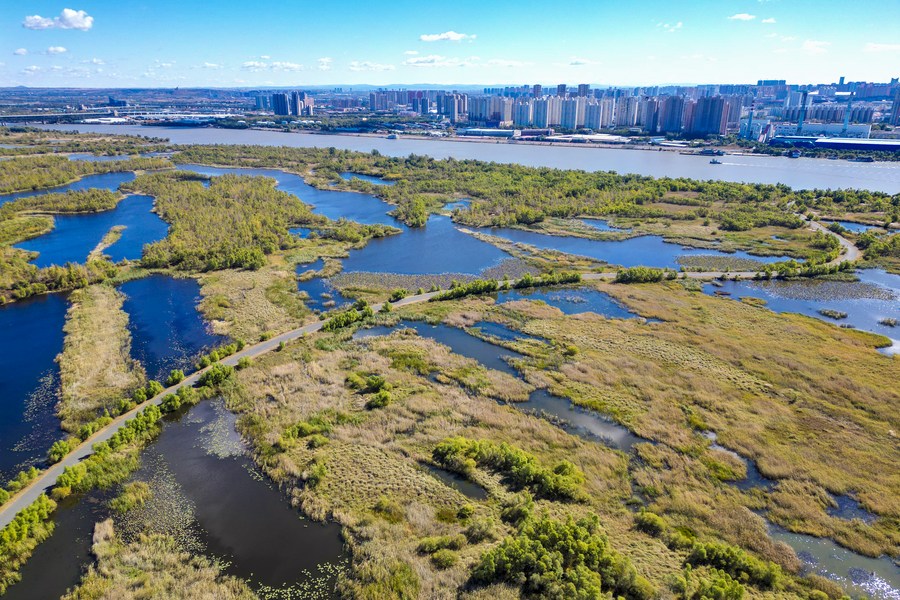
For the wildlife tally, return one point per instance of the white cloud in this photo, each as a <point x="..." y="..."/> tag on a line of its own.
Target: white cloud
<point x="325" y="63"/>
<point x="56" y="50"/>
<point x="255" y="65"/>
<point x="741" y="17"/>
<point x="771" y="35"/>
<point x="31" y="70"/>
<point x="20" y="52"/>
<point x="95" y="61"/>
<point x="436" y="60"/>
<point x="874" y="47"/>
<point x="286" y="66"/>
<point x="580" y="62"/>
<point x="815" y="47"/>
<point x="411" y="52"/>
<point x="67" y="19"/>
<point x="365" y="65"/>
<point x="209" y="65"/>
<point x="768" y="21"/>
<point x="502" y="62"/>
<point x="265" y="57"/>
<point x="669" y="28"/>
<point x="447" y="36"/>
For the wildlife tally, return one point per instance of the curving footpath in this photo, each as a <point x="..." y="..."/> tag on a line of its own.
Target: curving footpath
<point x="47" y="479"/>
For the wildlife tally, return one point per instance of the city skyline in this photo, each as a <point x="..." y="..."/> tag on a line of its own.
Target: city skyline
<point x="168" y="44"/>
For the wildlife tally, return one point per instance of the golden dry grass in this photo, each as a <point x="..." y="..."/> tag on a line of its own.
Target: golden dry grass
<point x="96" y="368"/>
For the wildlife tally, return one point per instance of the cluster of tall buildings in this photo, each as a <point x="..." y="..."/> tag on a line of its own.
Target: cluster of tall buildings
<point x="284" y="104"/>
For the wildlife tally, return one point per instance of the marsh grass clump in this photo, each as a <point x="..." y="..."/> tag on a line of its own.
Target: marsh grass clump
<point x="133" y="495"/>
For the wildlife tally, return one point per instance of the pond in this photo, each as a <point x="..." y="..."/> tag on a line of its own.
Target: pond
<point x="108" y="181"/>
<point x="31" y="336"/>
<point x="853" y="226"/>
<point x="210" y="496"/>
<point x="868" y="303"/>
<point x="572" y="301"/>
<point x="75" y="236"/>
<point x="439" y="247"/>
<point x="347" y="176"/>
<point x="602" y="225"/>
<point x="167" y="331"/>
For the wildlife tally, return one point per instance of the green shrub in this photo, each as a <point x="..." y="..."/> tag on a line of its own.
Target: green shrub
<point x="60" y="449"/>
<point x="399" y="294"/>
<point x="444" y="559"/>
<point x="133" y="495"/>
<point x="650" y="523"/>
<point x="737" y="563"/>
<point x="243" y="363"/>
<point x="517" y="466"/>
<point x="215" y="375"/>
<point x="381" y="399"/>
<point x="175" y="377"/>
<point x="639" y="275"/>
<point x="562" y="559"/>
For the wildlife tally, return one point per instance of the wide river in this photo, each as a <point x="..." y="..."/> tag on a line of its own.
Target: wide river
<point x="803" y="173"/>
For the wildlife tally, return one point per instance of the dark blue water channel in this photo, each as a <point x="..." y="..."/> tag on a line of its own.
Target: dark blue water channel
<point x="74" y="236"/>
<point x="31" y="336"/>
<point x="646" y="250"/>
<point x="108" y="181"/>
<point x="167" y="332"/>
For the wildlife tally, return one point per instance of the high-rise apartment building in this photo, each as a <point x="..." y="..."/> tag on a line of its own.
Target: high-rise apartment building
<point x="522" y="114"/>
<point x="584" y="90"/>
<point x="671" y="117"/>
<point x="895" y="109"/>
<point x="572" y="115"/>
<point x="537" y="91"/>
<point x="281" y="104"/>
<point x="561" y="90"/>
<point x="593" y="115"/>
<point x="710" y="117"/>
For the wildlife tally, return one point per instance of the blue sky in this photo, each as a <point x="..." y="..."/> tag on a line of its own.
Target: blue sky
<point x="167" y="43"/>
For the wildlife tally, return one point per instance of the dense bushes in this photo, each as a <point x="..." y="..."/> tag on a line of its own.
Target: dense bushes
<point x="528" y="280"/>
<point x="639" y="275"/>
<point x="233" y="223"/>
<point x="215" y="375"/>
<point x="348" y="317"/>
<point x="220" y="353"/>
<point x="517" y="466"/>
<point x="563" y="560"/>
<point x="459" y="290"/>
<point x="707" y="584"/>
<point x="77" y="201"/>
<point x="18" y="539"/>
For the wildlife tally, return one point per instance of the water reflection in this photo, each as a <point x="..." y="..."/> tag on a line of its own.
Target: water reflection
<point x="167" y="331"/>
<point x="31" y="336"/>
<point x="74" y="236"/>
